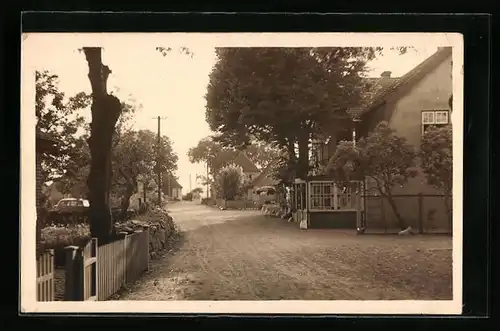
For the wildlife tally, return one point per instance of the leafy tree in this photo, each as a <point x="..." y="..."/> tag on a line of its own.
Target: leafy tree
<point x="228" y="183"/>
<point x="132" y="156"/>
<point x="213" y="154"/>
<point x="262" y="154"/>
<point x="60" y="117"/>
<point x="106" y="110"/>
<point x="283" y="95"/>
<point x="382" y="156"/>
<point x="135" y="158"/>
<point x="436" y="156"/>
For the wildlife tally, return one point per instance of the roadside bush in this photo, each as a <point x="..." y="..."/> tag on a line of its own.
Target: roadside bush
<point x="57" y="237"/>
<point x="188" y="197"/>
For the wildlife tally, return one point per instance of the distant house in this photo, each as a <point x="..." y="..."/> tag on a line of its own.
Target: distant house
<point x="264" y="179"/>
<point x="409" y="104"/>
<point x="174" y="189"/>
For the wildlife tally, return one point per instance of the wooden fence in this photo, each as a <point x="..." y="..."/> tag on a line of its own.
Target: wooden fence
<point x="425" y="213"/>
<point x="137" y="248"/>
<point x="90" y="271"/>
<point x="112" y="267"/>
<point x="45" y="290"/>
<point x="96" y="273"/>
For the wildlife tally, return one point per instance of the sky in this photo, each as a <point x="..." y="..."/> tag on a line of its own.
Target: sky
<point x="172" y="86"/>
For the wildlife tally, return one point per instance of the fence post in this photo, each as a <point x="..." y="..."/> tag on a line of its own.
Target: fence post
<point x="125" y="237"/>
<point x="73" y="288"/>
<point x="146" y="243"/>
<point x="359" y="226"/>
<point x="420" y="213"/>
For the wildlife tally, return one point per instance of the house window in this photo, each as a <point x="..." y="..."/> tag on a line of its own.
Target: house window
<point x="434" y="118"/>
<point x="322" y="196"/>
<point x="329" y="196"/>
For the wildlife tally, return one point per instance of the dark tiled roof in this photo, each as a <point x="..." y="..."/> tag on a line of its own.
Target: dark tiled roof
<point x="377" y="94"/>
<point x="265" y="178"/>
<point x="375" y="86"/>
<point x="174" y="183"/>
<point x="245" y="163"/>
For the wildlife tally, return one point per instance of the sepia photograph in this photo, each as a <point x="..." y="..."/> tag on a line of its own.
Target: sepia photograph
<point x="242" y="172"/>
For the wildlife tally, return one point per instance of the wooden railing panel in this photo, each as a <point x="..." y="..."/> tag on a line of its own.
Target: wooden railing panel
<point x="137" y="246"/>
<point x="90" y="267"/>
<point x="112" y="268"/>
<point x="96" y="273"/>
<point x="45" y="276"/>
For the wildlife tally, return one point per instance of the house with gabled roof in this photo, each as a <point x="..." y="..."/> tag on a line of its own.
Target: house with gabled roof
<point x="411" y="103"/>
<point x="174" y="188"/>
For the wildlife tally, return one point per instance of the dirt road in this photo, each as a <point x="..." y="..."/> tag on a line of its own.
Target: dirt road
<point x="241" y="255"/>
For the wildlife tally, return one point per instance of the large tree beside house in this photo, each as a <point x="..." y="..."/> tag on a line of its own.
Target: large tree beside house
<point x="385" y="158"/>
<point x="283" y="95"/>
<point x="263" y="154"/>
<point x="436" y="156"/>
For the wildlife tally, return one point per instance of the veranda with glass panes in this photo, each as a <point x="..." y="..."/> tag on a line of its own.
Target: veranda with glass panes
<point x="325" y="196"/>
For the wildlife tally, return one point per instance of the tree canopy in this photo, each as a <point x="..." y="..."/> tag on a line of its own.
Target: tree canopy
<point x="134" y="157"/>
<point x="228" y="183"/>
<point x="283" y="95"/>
<point x="61" y="118"/>
<point x="383" y="156"/>
<point x="436" y="157"/>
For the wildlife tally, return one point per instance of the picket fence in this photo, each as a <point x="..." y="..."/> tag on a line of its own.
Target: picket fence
<point x="97" y="272"/>
<point x="45" y="290"/>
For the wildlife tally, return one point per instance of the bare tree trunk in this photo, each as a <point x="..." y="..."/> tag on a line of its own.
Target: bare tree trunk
<point x="303" y="161"/>
<point x="106" y="110"/>
<point x="125" y="203"/>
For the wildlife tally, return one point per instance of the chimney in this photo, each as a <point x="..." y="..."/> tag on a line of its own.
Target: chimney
<point x="386" y="74"/>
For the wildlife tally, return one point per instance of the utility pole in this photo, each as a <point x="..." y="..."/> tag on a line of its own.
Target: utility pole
<point x="190" y="188"/>
<point x="207" y="181"/>
<point x="158" y="159"/>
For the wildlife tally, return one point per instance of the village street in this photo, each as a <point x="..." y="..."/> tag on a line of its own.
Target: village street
<point x="242" y="255"/>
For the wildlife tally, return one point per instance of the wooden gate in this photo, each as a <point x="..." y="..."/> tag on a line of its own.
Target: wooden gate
<point x="45" y="290"/>
<point x="89" y="271"/>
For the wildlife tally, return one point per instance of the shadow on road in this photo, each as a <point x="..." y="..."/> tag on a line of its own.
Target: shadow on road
<point x="263" y="258"/>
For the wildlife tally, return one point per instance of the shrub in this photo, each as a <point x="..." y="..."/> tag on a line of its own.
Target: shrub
<point x="57" y="237"/>
<point x="228" y="183"/>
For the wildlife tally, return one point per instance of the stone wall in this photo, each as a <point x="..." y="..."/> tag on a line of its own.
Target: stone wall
<point x="161" y="229"/>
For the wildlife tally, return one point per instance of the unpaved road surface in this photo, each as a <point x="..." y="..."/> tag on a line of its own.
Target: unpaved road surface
<point x="241" y="255"/>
